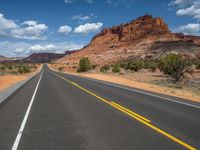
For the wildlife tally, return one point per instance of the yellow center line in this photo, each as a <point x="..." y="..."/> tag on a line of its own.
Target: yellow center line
<point x="134" y="115"/>
<point x="131" y="112"/>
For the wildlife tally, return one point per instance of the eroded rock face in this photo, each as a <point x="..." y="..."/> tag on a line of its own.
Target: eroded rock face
<point x="143" y="27"/>
<point x="194" y="39"/>
<point x="133" y="40"/>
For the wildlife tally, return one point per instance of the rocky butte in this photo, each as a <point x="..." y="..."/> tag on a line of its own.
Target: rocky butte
<point x="144" y="38"/>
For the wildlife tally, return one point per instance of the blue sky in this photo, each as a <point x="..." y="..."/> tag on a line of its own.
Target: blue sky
<point x="29" y="26"/>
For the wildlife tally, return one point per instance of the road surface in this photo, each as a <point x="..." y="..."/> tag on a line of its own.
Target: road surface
<point x="57" y="111"/>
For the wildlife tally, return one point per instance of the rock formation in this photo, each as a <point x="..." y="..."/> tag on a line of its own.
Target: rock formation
<point x="144" y="38"/>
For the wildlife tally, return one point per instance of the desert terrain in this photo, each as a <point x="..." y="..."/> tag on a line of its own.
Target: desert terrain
<point x="11" y="76"/>
<point x="136" y="49"/>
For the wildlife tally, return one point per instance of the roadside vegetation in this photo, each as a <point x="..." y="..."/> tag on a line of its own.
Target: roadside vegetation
<point x="135" y="65"/>
<point x="105" y="68"/>
<point x="60" y="68"/>
<point x="84" y="65"/>
<point x="175" y="68"/>
<point x="198" y="66"/>
<point x="116" y="68"/>
<point x="17" y="68"/>
<point x="171" y="72"/>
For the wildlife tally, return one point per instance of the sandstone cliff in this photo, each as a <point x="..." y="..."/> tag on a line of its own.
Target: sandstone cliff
<point x="145" y="38"/>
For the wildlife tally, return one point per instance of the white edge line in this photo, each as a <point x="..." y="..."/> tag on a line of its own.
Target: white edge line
<point x="19" y="134"/>
<point x="141" y="92"/>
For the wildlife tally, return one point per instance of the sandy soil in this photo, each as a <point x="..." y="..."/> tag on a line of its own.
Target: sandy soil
<point x="9" y="80"/>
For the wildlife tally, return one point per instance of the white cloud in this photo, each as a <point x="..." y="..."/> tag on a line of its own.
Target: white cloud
<point x="6" y="24"/>
<point x="190" y="29"/>
<point x="88" y="27"/>
<point x="13" y="49"/>
<point x="81" y="17"/>
<point x="84" y="18"/>
<point x="52" y="47"/>
<point x="181" y="2"/>
<point x="22" y="49"/>
<point x="187" y="8"/>
<point x="193" y="10"/>
<point x="30" y="29"/>
<point x="38" y="47"/>
<point x="64" y="29"/>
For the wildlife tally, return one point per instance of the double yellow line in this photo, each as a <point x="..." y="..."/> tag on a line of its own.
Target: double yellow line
<point x="132" y="114"/>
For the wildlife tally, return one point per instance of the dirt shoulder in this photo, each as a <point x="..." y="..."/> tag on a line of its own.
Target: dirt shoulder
<point x="139" y="81"/>
<point x="8" y="80"/>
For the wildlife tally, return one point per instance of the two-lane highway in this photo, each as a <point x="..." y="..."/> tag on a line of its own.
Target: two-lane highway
<point x="57" y="111"/>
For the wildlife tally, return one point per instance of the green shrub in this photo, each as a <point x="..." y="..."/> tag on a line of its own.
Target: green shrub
<point x="116" y="68"/>
<point x="2" y="68"/>
<point x="198" y="66"/>
<point x="84" y="65"/>
<point x="150" y="65"/>
<point x="175" y="66"/>
<point x="135" y="65"/>
<point x="60" y="68"/>
<point x="23" y="69"/>
<point x="122" y="65"/>
<point x="105" y="68"/>
<point x="34" y="66"/>
<point x="94" y="66"/>
<point x="9" y="66"/>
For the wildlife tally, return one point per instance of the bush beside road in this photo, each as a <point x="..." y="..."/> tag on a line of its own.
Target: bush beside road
<point x="173" y="75"/>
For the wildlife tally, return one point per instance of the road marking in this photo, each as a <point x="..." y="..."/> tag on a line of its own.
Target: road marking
<point x="158" y="130"/>
<point x="141" y="92"/>
<point x="130" y="112"/>
<point x="19" y="134"/>
<point x="124" y="110"/>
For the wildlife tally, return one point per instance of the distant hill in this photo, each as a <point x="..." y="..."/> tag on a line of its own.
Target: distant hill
<point x="1" y="57"/>
<point x="145" y="37"/>
<point x="71" y="52"/>
<point x="36" y="57"/>
<point x="42" y="57"/>
<point x="45" y="57"/>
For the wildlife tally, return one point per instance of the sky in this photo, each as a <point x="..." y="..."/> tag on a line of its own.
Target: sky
<point x="36" y="26"/>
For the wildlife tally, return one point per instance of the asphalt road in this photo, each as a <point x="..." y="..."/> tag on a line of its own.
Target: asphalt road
<point x="57" y="111"/>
